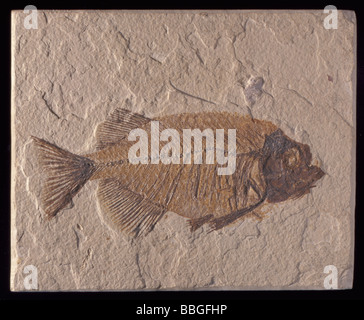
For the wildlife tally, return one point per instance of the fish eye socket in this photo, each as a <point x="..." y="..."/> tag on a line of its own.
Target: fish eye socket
<point x="291" y="158"/>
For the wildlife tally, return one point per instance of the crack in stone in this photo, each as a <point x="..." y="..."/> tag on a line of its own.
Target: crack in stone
<point x="49" y="107"/>
<point x="342" y="118"/>
<point x="190" y="95"/>
<point x="298" y="94"/>
<point x="137" y="261"/>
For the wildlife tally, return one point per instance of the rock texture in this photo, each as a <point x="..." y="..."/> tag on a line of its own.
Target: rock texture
<point x="285" y="67"/>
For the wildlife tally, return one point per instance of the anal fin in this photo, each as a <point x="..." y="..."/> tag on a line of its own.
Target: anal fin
<point x="128" y="210"/>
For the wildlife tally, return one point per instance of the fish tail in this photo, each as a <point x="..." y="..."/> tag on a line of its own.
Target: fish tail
<point x="65" y="174"/>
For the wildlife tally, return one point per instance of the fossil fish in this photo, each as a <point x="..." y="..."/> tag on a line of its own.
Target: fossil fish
<point x="270" y="168"/>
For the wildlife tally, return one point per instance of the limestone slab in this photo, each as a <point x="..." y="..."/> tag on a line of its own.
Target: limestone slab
<point x="76" y="67"/>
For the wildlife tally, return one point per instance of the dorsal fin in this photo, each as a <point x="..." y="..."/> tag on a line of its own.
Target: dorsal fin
<point x="117" y="127"/>
<point x="128" y="210"/>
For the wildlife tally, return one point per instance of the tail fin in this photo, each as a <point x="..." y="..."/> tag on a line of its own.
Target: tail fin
<point x="65" y="174"/>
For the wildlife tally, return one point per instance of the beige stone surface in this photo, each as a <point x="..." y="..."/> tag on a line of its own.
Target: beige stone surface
<point x="285" y="67"/>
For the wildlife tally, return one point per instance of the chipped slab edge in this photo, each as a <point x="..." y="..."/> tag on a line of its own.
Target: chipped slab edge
<point x="13" y="233"/>
<point x="353" y="149"/>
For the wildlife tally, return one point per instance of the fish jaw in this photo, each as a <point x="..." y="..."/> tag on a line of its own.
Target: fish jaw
<point x="293" y="186"/>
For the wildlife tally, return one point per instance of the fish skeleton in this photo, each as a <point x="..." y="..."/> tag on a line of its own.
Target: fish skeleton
<point x="270" y="168"/>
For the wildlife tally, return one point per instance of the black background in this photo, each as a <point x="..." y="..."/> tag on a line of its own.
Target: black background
<point x="129" y="301"/>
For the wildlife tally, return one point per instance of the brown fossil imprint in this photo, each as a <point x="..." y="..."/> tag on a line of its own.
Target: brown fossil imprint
<point x="270" y="168"/>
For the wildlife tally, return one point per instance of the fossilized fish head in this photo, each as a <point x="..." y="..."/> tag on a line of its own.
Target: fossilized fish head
<point x="287" y="168"/>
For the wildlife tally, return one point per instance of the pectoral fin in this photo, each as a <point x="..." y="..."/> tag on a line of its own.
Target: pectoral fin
<point x="223" y="221"/>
